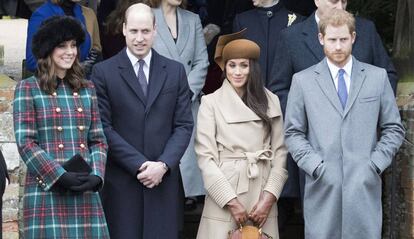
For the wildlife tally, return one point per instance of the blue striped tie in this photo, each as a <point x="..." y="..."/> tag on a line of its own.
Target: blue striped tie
<point x="141" y="77"/>
<point x="342" y="92"/>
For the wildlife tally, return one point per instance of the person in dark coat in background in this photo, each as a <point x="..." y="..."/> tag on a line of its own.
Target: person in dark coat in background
<point x="148" y="124"/>
<point x="299" y="48"/>
<point x="112" y="38"/>
<point x="263" y="24"/>
<point x="4" y="179"/>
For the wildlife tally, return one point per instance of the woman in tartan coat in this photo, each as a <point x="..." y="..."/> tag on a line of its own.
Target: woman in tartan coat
<point x="56" y="117"/>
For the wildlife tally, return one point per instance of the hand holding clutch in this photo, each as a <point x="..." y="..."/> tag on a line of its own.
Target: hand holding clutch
<point x="237" y="210"/>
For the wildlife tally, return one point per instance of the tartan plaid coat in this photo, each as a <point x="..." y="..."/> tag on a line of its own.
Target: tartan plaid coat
<point x="50" y="129"/>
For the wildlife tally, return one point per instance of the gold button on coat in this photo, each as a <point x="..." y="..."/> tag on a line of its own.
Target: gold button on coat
<point x="80" y="109"/>
<point x="58" y="109"/>
<point x="75" y="94"/>
<point x="60" y="146"/>
<point x="59" y="128"/>
<point x="82" y="146"/>
<point x="81" y="127"/>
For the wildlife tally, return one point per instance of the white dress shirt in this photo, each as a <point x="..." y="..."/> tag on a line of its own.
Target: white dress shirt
<point x="335" y="70"/>
<point x="134" y="61"/>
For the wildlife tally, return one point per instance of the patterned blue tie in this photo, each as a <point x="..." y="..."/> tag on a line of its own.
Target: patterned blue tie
<point x="342" y="92"/>
<point x="141" y="77"/>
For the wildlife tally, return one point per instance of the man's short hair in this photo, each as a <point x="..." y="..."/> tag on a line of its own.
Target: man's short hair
<point x="337" y="18"/>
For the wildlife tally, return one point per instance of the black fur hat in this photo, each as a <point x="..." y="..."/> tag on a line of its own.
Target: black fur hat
<point x="54" y="31"/>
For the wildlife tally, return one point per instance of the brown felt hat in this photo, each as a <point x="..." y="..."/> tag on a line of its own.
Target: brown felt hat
<point x="232" y="46"/>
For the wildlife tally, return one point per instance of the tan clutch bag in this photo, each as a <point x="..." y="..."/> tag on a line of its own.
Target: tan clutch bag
<point x="248" y="232"/>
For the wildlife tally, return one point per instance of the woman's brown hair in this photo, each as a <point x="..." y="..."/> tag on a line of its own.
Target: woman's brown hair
<point x="255" y="94"/>
<point x="46" y="74"/>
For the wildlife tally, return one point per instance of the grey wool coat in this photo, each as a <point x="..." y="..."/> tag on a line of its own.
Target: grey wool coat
<point x="190" y="50"/>
<point x="344" y="200"/>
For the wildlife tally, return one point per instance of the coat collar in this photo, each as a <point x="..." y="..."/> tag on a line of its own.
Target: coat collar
<point x="157" y="76"/>
<point x="163" y="32"/>
<point x="310" y="32"/>
<point x="263" y="15"/>
<point x="233" y="108"/>
<point x="325" y="82"/>
<point x="357" y="79"/>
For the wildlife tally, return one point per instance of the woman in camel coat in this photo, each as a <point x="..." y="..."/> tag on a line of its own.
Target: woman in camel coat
<point x="239" y="145"/>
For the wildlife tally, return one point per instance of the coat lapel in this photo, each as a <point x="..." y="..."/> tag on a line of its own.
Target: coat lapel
<point x="324" y="79"/>
<point x="128" y="75"/>
<point x="183" y="31"/>
<point x="233" y="108"/>
<point x="157" y="78"/>
<point x="164" y="33"/>
<point x="357" y="79"/>
<point x="310" y="33"/>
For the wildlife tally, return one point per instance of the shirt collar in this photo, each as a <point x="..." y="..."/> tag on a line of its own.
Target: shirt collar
<point x="134" y="59"/>
<point x="317" y="19"/>
<point x="334" y="69"/>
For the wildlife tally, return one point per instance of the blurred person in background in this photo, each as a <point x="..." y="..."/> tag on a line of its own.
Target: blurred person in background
<point x="180" y="37"/>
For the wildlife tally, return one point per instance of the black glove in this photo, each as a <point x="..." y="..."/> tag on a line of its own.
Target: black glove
<point x="70" y="179"/>
<point x="90" y="183"/>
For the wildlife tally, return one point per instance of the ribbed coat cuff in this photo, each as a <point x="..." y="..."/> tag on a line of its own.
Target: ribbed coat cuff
<point x="275" y="182"/>
<point x="221" y="192"/>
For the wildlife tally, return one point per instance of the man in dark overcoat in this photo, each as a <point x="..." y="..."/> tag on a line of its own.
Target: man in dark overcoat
<point x="263" y="24"/>
<point x="144" y="101"/>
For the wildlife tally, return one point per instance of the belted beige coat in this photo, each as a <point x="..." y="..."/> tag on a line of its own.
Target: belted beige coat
<point x="237" y="160"/>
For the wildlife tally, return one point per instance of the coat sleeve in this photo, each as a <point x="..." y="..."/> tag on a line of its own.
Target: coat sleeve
<point x="236" y="24"/>
<point x="296" y="128"/>
<point x="182" y="126"/>
<point x="198" y="72"/>
<point x="278" y="173"/>
<point x="215" y="183"/>
<point x="96" y="140"/>
<point x="121" y="152"/>
<point x="282" y="71"/>
<point x="392" y="131"/>
<point x="381" y="58"/>
<point x="37" y="160"/>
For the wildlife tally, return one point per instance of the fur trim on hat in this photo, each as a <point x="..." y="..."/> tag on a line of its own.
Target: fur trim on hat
<point x="54" y="31"/>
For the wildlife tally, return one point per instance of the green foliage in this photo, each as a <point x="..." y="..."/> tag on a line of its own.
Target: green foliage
<point x="381" y="12"/>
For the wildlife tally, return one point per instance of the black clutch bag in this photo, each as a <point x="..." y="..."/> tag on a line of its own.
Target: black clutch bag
<point x="77" y="164"/>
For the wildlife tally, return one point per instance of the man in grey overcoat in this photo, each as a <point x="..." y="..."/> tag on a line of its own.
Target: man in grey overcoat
<point x="343" y="129"/>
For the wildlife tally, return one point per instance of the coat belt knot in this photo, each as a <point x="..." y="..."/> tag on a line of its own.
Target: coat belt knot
<point x="249" y="168"/>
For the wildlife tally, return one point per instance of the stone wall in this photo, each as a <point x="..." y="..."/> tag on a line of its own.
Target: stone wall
<point x="405" y="192"/>
<point x="398" y="186"/>
<point x="9" y="149"/>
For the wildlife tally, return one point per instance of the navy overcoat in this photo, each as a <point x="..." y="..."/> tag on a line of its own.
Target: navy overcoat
<point x="157" y="128"/>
